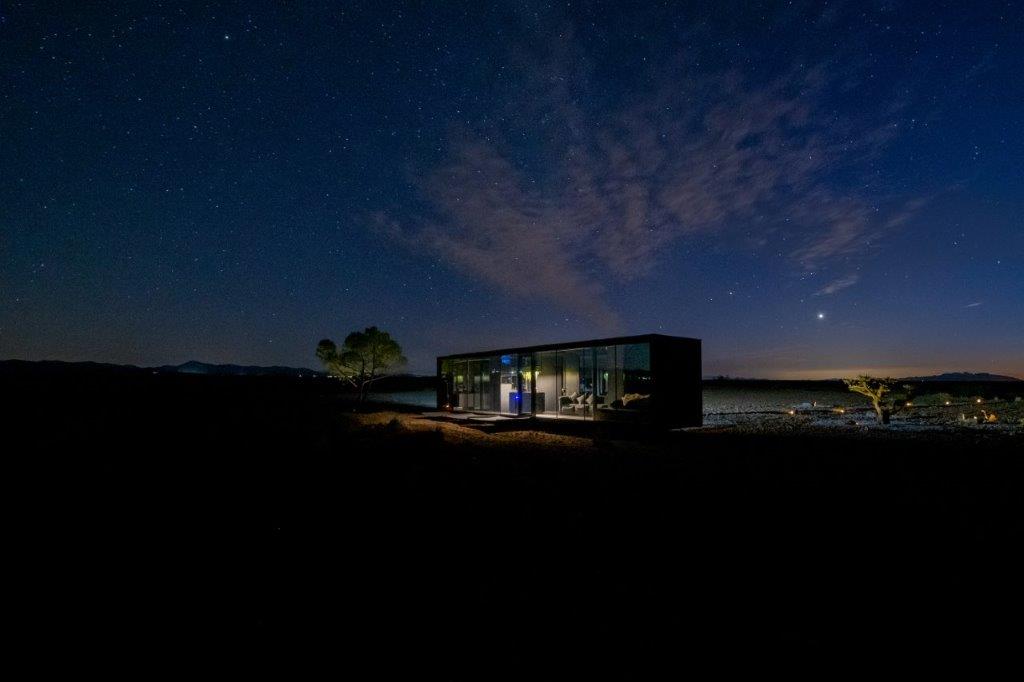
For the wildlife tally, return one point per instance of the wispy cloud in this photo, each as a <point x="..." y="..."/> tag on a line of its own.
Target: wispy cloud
<point x="973" y="305"/>
<point x="589" y="201"/>
<point x="838" y="285"/>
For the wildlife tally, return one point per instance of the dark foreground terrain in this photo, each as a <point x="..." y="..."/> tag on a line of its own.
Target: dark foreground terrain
<point x="258" y="519"/>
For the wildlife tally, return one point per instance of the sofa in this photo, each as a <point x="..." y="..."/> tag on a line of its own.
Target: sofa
<point x="579" y="404"/>
<point x="630" y="407"/>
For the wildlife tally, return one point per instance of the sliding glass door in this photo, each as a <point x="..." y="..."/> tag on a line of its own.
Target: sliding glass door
<point x="508" y="390"/>
<point x="547" y="397"/>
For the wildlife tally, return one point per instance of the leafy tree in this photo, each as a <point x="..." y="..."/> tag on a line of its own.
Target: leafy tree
<point x="365" y="357"/>
<point x="882" y="393"/>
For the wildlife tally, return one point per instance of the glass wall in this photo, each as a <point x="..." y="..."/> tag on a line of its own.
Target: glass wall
<point x="596" y="382"/>
<point x="526" y="383"/>
<point x="576" y="383"/>
<point x="459" y="388"/>
<point x="509" y="386"/>
<point x="636" y="369"/>
<point x="473" y="383"/>
<point x="444" y="394"/>
<point x="546" y="377"/>
<point x="607" y="376"/>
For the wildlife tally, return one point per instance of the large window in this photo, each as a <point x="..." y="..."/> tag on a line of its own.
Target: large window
<point x="636" y="369"/>
<point x="545" y="379"/>
<point x="472" y="383"/>
<point x="460" y="388"/>
<point x="607" y="376"/>
<point x="509" y="387"/>
<point x="576" y="383"/>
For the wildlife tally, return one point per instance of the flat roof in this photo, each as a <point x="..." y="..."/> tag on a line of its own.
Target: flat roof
<point x="611" y="341"/>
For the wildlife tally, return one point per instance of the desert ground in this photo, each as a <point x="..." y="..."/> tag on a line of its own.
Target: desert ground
<point x="787" y="406"/>
<point x="275" y="519"/>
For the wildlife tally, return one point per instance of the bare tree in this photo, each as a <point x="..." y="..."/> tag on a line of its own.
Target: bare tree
<point x="365" y="357"/>
<point x="876" y="390"/>
<point x="886" y="397"/>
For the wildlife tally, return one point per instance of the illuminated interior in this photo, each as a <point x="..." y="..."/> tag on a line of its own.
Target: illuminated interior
<point x="588" y="382"/>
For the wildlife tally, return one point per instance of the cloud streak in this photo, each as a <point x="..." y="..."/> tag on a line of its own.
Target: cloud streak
<point x="598" y="200"/>
<point x="837" y="285"/>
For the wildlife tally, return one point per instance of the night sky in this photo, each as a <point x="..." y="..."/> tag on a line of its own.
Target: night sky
<point x="813" y="189"/>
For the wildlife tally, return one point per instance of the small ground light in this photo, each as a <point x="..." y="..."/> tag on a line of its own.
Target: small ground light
<point x="792" y="411"/>
<point x="979" y="401"/>
<point x="947" y="402"/>
<point x="910" y="404"/>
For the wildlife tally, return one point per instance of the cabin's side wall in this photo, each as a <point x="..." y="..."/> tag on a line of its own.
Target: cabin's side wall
<point x="676" y="367"/>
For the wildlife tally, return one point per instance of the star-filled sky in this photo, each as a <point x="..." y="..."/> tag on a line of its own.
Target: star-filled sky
<point x="813" y="189"/>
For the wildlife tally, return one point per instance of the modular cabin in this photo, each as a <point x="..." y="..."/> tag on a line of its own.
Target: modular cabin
<point x="650" y="378"/>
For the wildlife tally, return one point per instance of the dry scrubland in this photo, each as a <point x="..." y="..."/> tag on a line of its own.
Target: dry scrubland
<point x="764" y="407"/>
<point x="923" y="424"/>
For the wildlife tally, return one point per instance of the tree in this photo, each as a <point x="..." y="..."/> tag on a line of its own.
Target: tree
<point x="882" y="393"/>
<point x="365" y="357"/>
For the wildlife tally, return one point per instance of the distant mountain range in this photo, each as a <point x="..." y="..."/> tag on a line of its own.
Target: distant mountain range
<point x="964" y="376"/>
<point x="196" y="367"/>
<point x="190" y="367"/>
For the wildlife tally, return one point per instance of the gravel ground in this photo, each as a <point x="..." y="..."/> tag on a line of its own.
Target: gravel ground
<point x="768" y="409"/>
<point x="788" y="410"/>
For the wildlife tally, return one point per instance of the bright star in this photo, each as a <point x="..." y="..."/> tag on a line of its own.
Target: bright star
<point x="821" y="316"/>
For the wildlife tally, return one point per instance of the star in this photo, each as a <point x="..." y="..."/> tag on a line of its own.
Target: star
<point x="405" y="199"/>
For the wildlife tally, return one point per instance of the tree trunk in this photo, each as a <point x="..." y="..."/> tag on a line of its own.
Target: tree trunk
<point x="883" y="413"/>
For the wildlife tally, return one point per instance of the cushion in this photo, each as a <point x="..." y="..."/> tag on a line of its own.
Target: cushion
<point x="590" y="399"/>
<point x="640" y="403"/>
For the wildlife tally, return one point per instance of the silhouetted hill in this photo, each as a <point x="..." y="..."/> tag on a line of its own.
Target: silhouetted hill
<point x="197" y="367"/>
<point x="964" y="376"/>
<point x="952" y="377"/>
<point x="105" y="368"/>
<point x="46" y="367"/>
<point x="56" y="368"/>
<point x="405" y="382"/>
